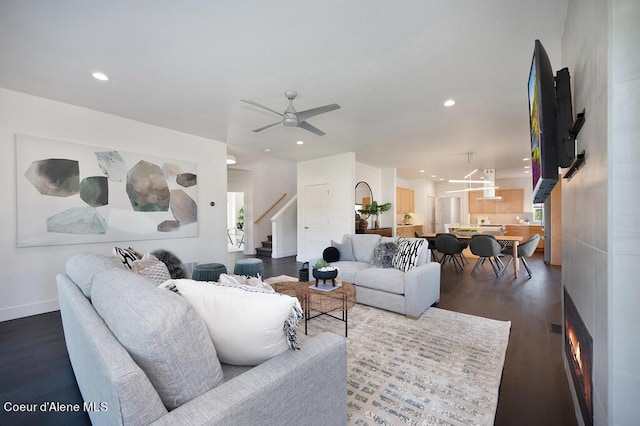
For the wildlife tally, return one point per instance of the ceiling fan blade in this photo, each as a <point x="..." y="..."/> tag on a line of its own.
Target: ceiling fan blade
<point x="250" y="102"/>
<point x="312" y="129"/>
<point x="305" y="115"/>
<point x="266" y="127"/>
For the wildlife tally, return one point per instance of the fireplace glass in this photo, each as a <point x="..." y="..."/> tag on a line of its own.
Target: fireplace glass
<point x="578" y="347"/>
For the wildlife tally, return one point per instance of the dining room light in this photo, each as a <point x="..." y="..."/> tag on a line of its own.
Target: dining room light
<point x="481" y="188"/>
<point x="449" y="103"/>
<point x="231" y="159"/>
<point x="467" y="181"/>
<point x="470" y="174"/>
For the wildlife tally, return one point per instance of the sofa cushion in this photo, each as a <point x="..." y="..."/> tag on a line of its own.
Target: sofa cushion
<point x="347" y="270"/>
<point x="163" y="334"/>
<point x="408" y="252"/>
<point x="390" y="280"/>
<point x="83" y="267"/>
<point x="383" y="255"/>
<point x="247" y="327"/>
<point x="363" y="246"/>
<point x="345" y="248"/>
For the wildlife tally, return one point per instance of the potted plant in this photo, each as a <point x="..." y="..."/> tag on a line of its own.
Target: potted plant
<point x="375" y="210"/>
<point x="240" y="218"/>
<point x="323" y="270"/>
<point x="407" y="218"/>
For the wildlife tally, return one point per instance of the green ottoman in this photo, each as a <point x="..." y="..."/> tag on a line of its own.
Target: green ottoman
<point x="250" y="267"/>
<point x="208" y="272"/>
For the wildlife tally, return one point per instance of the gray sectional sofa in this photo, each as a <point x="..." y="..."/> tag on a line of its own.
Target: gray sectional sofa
<point x="409" y="293"/>
<point x="142" y="356"/>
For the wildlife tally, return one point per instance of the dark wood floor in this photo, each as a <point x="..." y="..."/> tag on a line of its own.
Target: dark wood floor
<point x="35" y="368"/>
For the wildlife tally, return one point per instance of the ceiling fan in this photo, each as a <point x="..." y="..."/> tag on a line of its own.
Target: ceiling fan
<point x="293" y="118"/>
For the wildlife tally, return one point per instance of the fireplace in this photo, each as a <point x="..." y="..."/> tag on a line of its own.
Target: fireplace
<point x="578" y="349"/>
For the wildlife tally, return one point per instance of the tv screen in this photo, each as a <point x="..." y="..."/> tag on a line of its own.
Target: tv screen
<point x="542" y="121"/>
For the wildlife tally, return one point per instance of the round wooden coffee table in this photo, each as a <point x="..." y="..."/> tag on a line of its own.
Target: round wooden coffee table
<point x="316" y="302"/>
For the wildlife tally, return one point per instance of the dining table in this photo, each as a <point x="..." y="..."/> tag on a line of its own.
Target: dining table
<point x="504" y="240"/>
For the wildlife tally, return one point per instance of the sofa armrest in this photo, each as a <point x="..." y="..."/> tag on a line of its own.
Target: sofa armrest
<point x="307" y="387"/>
<point x="421" y="288"/>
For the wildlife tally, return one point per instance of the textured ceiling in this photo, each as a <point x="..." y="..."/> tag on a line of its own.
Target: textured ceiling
<point x="390" y="66"/>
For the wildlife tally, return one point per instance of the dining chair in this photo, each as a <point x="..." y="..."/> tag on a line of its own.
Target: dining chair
<point x="451" y="249"/>
<point x="525" y="250"/>
<point x="432" y="245"/>
<point x="486" y="247"/>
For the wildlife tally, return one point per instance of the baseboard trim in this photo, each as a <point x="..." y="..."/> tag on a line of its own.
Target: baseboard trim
<point x="21" y="311"/>
<point x="284" y="254"/>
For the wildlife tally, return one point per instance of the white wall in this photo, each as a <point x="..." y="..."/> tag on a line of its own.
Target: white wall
<point x="584" y="198"/>
<point x="28" y="274"/>
<point x="601" y="204"/>
<point x="339" y="172"/>
<point x="623" y="208"/>
<point x="270" y="178"/>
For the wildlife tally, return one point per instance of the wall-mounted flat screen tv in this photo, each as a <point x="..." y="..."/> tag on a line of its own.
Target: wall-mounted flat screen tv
<point x="542" y="121"/>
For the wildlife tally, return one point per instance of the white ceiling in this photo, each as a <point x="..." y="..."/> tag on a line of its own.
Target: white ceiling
<point x="389" y="64"/>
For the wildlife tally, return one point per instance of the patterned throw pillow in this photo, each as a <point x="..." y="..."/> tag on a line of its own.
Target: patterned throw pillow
<point x="383" y="255"/>
<point x="407" y="255"/>
<point x="126" y="256"/>
<point x="149" y="266"/>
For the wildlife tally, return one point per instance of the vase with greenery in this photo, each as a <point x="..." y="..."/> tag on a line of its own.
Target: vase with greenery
<point x="374" y="209"/>
<point x="240" y="218"/>
<point x="407" y="218"/>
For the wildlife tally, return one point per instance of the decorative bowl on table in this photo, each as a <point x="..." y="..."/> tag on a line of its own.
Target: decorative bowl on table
<point x="324" y="274"/>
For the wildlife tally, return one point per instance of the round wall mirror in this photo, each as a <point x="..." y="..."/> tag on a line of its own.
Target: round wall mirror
<point x="364" y="196"/>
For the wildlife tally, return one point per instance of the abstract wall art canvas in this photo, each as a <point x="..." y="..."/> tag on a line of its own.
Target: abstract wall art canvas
<point x="69" y="193"/>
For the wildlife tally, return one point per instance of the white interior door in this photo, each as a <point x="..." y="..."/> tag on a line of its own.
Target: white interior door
<point x="316" y="219"/>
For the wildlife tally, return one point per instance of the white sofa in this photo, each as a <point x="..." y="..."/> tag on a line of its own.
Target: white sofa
<point x="409" y="293"/>
<point x="133" y="347"/>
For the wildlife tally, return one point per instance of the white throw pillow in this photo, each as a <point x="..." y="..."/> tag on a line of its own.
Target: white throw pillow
<point x="247" y="327"/>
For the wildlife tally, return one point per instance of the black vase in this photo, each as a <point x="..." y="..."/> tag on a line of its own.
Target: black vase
<point x="325" y="275"/>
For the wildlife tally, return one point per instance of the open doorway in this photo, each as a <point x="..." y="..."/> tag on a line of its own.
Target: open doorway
<point x="235" y="221"/>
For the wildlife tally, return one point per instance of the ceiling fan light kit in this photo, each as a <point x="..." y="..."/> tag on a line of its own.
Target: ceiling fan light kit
<point x="293" y="118"/>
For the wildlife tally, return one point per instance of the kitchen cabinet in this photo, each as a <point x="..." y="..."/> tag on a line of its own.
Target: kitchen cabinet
<point x="408" y="231"/>
<point x="405" y="200"/>
<point x="512" y="202"/>
<point x="526" y="231"/>
<point x="480" y="206"/>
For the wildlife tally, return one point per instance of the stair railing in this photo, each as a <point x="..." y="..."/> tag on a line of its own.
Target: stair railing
<point x="270" y="208"/>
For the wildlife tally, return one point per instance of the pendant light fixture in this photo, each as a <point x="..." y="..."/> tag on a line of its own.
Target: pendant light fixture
<point x="467" y="179"/>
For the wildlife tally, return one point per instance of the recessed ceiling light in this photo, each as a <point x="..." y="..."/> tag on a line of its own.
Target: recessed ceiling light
<point x="433" y="176"/>
<point x="231" y="159"/>
<point x="526" y="171"/>
<point x="100" y="76"/>
<point x="449" y="103"/>
<point x="421" y="171"/>
<point x="300" y="143"/>
<point x="526" y="167"/>
<point x="441" y="179"/>
<point x="525" y="159"/>
<point x="267" y="150"/>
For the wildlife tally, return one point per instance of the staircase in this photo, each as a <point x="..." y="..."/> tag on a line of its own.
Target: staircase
<point x="266" y="248"/>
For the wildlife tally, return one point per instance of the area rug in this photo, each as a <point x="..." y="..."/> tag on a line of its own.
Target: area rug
<point x="444" y="368"/>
